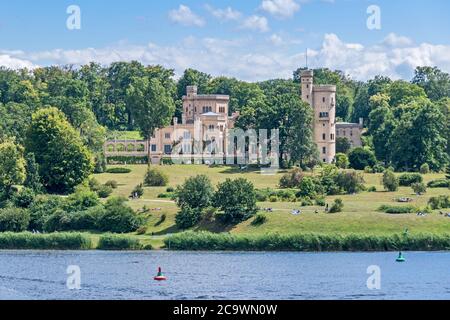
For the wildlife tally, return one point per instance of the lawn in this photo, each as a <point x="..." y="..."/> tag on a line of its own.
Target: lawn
<point x="360" y="213"/>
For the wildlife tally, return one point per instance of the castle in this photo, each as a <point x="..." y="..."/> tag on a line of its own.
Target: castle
<point x="206" y="118"/>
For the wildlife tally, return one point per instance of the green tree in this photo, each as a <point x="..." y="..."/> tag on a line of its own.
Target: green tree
<point x="342" y="161"/>
<point x="64" y="162"/>
<point x="237" y="200"/>
<point x="14" y="219"/>
<point x="196" y="192"/>
<point x="360" y="158"/>
<point x="343" y="145"/>
<point x="33" y="179"/>
<point x="118" y="217"/>
<point x="151" y="104"/>
<point x="435" y="82"/>
<point x="12" y="166"/>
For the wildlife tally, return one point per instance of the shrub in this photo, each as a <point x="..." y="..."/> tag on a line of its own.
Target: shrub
<point x="104" y="191"/>
<point x="368" y="169"/>
<point x="111" y="183"/>
<point x="397" y="209"/>
<point x="350" y="181"/>
<point x="24" y="198"/>
<point x="320" y="201"/>
<point x="306" y="202"/>
<point x="237" y="200"/>
<point x="390" y="181"/>
<point x="337" y="206"/>
<point x="127" y="159"/>
<point x="118" y="170"/>
<point x="82" y="199"/>
<point x="372" y="189"/>
<point x="273" y="198"/>
<point x="188" y="217"/>
<point x="118" y="217"/>
<point x="161" y="220"/>
<point x="308" y="187"/>
<point x="291" y="179"/>
<point x="424" y="169"/>
<point x="14" y="219"/>
<point x="439" y="202"/>
<point x="138" y="191"/>
<point x="87" y="219"/>
<point x="196" y="192"/>
<point x="59" y="220"/>
<point x="407" y="179"/>
<point x="94" y="185"/>
<point x="170" y="189"/>
<point x="419" y="188"/>
<point x="378" y="168"/>
<point x="439" y="183"/>
<point x="360" y="158"/>
<point x="262" y="195"/>
<point x="118" y="242"/>
<point x="259" y="219"/>
<point x="42" y="208"/>
<point x="342" y="161"/>
<point x="155" y="178"/>
<point x="286" y="195"/>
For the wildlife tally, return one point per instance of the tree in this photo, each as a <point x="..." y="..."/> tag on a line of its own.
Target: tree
<point x="12" y="166"/>
<point x="390" y="181"/>
<point x="403" y="92"/>
<point x="337" y="206"/>
<point x="196" y="192"/>
<point x="188" y="217"/>
<point x="237" y="200"/>
<point x="419" y="188"/>
<point x="14" y="219"/>
<point x="435" y="82"/>
<point x="349" y="181"/>
<point x="118" y="217"/>
<point x="420" y="137"/>
<point x="343" y="145"/>
<point x="360" y="158"/>
<point x="155" y="178"/>
<point x="64" y="162"/>
<point x="151" y="104"/>
<point x="342" y="161"/>
<point x="33" y="179"/>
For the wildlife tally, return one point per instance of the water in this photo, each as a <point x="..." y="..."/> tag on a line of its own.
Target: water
<point x="223" y="275"/>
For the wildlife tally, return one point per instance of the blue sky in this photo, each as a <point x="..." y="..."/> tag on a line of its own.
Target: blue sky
<point x="251" y="39"/>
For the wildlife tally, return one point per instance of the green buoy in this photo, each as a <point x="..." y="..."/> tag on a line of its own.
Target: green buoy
<point x="400" y="257"/>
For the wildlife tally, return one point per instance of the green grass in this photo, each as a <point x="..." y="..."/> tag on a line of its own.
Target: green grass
<point x="360" y="214"/>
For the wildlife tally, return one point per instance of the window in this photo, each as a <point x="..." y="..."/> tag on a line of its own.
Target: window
<point x="343" y="132"/>
<point x="323" y="136"/>
<point x="167" y="135"/>
<point x="307" y="86"/>
<point x="324" y="160"/>
<point x="351" y="133"/>
<point x="332" y="136"/>
<point x="153" y="148"/>
<point x="222" y="109"/>
<point x="167" y="149"/>
<point x="323" y="99"/>
<point x="186" y="135"/>
<point x="211" y="127"/>
<point x="324" y="115"/>
<point x="324" y="150"/>
<point x="307" y="96"/>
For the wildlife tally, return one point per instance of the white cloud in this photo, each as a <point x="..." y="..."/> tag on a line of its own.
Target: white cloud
<point x="14" y="63"/>
<point x="224" y="14"/>
<point x="280" y="8"/>
<point x="247" y="58"/>
<point x="256" y="23"/>
<point x="184" y="16"/>
<point x="394" y="40"/>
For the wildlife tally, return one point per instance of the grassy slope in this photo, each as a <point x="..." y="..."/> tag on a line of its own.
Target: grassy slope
<point x="360" y="212"/>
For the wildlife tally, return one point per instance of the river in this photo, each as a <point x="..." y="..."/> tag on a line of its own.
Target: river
<point x="223" y="275"/>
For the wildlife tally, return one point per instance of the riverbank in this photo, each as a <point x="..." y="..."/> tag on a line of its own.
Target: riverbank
<point x="207" y="241"/>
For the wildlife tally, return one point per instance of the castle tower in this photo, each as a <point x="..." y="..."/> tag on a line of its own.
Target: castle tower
<point x="322" y="98"/>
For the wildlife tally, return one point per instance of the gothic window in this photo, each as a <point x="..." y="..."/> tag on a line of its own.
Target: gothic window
<point x="324" y="150"/>
<point x="323" y="136"/>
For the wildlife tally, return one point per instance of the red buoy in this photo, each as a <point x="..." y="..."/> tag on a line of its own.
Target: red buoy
<point x="160" y="276"/>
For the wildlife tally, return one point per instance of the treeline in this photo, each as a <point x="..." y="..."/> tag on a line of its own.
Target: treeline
<point x="408" y="122"/>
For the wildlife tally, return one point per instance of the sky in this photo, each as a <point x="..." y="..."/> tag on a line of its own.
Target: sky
<point x="251" y="40"/>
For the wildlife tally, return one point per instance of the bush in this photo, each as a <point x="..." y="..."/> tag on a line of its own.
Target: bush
<point x="424" y="169"/>
<point x="127" y="159"/>
<point x="104" y="191"/>
<point x="188" y="217"/>
<point x="262" y="195"/>
<point x="286" y="195"/>
<point x="439" y="202"/>
<point x="24" y="198"/>
<point x="360" y="158"/>
<point x="306" y="202"/>
<point x="138" y="191"/>
<point x="397" y="209"/>
<point x="118" y="242"/>
<point x="82" y="199"/>
<point x="320" y="201"/>
<point x="118" y="170"/>
<point x="378" y="168"/>
<point x="308" y="187"/>
<point x="94" y="185"/>
<point x="350" y="181"/>
<point x="259" y="219"/>
<point x="390" y="181"/>
<point x="337" y="206"/>
<point x="170" y="189"/>
<point x="54" y="241"/>
<point x="342" y="161"/>
<point x="155" y="178"/>
<point x="407" y="179"/>
<point x="368" y="169"/>
<point x="41" y="209"/>
<point x="118" y="217"/>
<point x="87" y="219"/>
<point x="419" y="188"/>
<point x="372" y="189"/>
<point x="112" y="183"/>
<point x="291" y="179"/>
<point x="273" y="198"/>
<point x="14" y="219"/>
<point x="439" y="183"/>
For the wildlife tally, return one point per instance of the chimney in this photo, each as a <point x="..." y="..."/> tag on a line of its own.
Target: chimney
<point x="361" y="122"/>
<point x="191" y="91"/>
